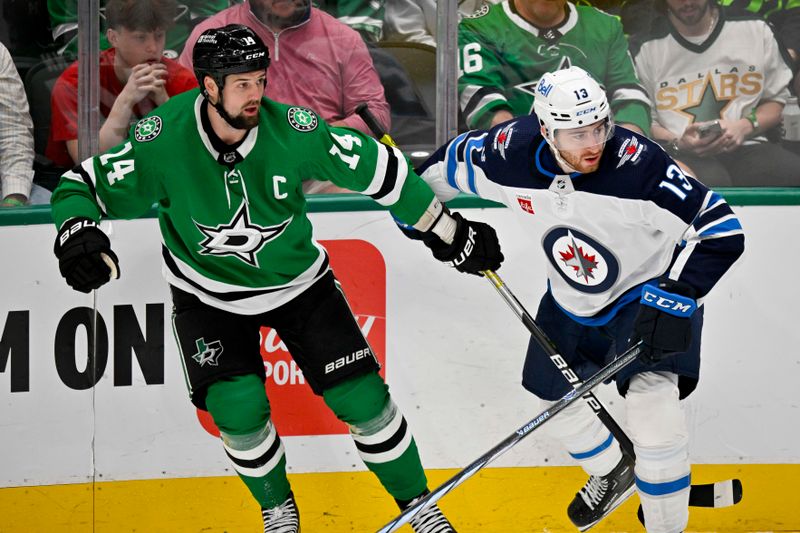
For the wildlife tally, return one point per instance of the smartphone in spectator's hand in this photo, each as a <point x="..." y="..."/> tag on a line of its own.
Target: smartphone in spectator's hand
<point x="710" y="130"/>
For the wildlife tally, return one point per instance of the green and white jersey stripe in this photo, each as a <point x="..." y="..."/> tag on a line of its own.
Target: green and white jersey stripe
<point x="233" y="219"/>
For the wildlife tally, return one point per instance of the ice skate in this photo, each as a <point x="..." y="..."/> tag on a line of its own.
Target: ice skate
<point x="601" y="495"/>
<point x="431" y="520"/>
<point x="282" y="519"/>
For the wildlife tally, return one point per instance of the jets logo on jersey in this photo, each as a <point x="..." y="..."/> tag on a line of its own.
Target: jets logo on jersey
<point x="582" y="262"/>
<point x="302" y="119"/>
<point x="630" y="150"/>
<point x="240" y="237"/>
<point x="207" y="353"/>
<point x="502" y="139"/>
<point x="147" y="129"/>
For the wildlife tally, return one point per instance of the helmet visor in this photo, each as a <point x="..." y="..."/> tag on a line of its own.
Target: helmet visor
<point x="583" y="137"/>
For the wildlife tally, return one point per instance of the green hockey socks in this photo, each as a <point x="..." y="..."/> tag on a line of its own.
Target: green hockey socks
<point x="380" y="432"/>
<point x="241" y="410"/>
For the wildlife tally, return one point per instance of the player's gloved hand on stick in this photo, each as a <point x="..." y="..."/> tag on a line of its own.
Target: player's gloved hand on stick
<point x="474" y="246"/>
<point x="663" y="322"/>
<point x="84" y="255"/>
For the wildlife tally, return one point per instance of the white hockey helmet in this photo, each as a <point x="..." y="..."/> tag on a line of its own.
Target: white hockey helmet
<point x="571" y="99"/>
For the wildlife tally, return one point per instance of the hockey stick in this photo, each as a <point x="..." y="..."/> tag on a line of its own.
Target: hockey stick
<point x="720" y="494"/>
<point x="606" y="372"/>
<point x="550" y="349"/>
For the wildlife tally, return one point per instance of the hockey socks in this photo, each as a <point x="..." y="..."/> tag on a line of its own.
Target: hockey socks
<point x="241" y="410"/>
<point x="380" y="433"/>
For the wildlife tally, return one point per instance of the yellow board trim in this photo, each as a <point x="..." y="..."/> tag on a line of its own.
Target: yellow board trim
<point x="501" y="500"/>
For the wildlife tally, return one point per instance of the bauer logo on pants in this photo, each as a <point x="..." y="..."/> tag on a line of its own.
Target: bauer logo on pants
<point x="296" y="411"/>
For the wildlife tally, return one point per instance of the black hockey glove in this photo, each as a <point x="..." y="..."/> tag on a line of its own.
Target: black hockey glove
<point x="84" y="255"/>
<point x="474" y="248"/>
<point x="663" y="322"/>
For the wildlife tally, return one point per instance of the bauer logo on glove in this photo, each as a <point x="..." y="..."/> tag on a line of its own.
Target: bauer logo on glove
<point x="84" y="254"/>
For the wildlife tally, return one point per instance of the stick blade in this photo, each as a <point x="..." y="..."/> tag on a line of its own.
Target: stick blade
<point x="720" y="494"/>
<point x="716" y="495"/>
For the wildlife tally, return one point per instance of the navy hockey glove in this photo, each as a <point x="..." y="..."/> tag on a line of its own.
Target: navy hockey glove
<point x="84" y="255"/>
<point x="663" y="322"/>
<point x="474" y="248"/>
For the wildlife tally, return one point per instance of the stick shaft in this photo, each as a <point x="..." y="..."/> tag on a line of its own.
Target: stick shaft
<point x="606" y="372"/>
<point x="552" y="352"/>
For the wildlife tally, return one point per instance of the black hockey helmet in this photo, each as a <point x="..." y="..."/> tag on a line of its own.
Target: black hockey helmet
<point x="232" y="49"/>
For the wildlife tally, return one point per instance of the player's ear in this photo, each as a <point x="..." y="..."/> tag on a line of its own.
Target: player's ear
<point x="211" y="88"/>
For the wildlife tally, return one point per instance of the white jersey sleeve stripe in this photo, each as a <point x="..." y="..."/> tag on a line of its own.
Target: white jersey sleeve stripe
<point x="392" y="196"/>
<point x="380" y="171"/>
<point x="681" y="260"/>
<point x="88" y="167"/>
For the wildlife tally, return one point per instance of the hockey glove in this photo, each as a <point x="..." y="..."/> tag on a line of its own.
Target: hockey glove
<point x="663" y="322"/>
<point x="84" y="255"/>
<point x="474" y="248"/>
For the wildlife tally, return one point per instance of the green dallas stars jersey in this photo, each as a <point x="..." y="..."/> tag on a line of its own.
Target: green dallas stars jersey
<point x="503" y="56"/>
<point x="234" y="224"/>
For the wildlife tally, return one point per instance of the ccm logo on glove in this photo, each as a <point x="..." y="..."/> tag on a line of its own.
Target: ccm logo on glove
<point x="667" y="302"/>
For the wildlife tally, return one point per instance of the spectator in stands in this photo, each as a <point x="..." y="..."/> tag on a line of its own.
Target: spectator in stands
<point x="16" y="136"/>
<point x="317" y="62"/>
<point x="719" y="83"/>
<point x="364" y="16"/>
<point x="506" y="48"/>
<point x="64" y="23"/>
<point x="414" y="21"/>
<point x="135" y="78"/>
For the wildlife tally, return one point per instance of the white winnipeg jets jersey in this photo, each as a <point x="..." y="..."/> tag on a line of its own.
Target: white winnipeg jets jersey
<point x="604" y="234"/>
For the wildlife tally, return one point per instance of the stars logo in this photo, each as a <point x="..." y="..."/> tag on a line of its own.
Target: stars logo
<point x="147" y="129"/>
<point x="302" y="119"/>
<point x="709" y="106"/>
<point x="481" y="11"/>
<point x="240" y="237"/>
<point x="207" y="353"/>
<point x="550" y="51"/>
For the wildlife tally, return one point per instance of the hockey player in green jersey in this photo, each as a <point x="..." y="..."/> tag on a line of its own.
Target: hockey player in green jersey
<point x="225" y="167"/>
<point x="505" y="48"/>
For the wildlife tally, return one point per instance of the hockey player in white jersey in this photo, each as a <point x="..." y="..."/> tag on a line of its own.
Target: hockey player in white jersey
<point x="633" y="246"/>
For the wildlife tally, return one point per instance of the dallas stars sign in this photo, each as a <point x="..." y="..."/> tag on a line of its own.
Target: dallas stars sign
<point x="240" y="237"/>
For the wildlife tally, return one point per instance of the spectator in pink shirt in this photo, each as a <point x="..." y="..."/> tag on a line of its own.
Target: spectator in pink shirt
<point x="317" y="61"/>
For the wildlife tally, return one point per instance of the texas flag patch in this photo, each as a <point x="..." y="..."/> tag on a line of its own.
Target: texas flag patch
<point x="525" y="204"/>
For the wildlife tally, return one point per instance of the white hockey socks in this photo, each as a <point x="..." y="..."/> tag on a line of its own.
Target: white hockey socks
<point x="587" y="440"/>
<point x="657" y="428"/>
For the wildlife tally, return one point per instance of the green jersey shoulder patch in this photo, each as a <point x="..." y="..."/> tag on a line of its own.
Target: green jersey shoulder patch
<point x="302" y="119"/>
<point x="147" y="129"/>
<point x="481" y="11"/>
